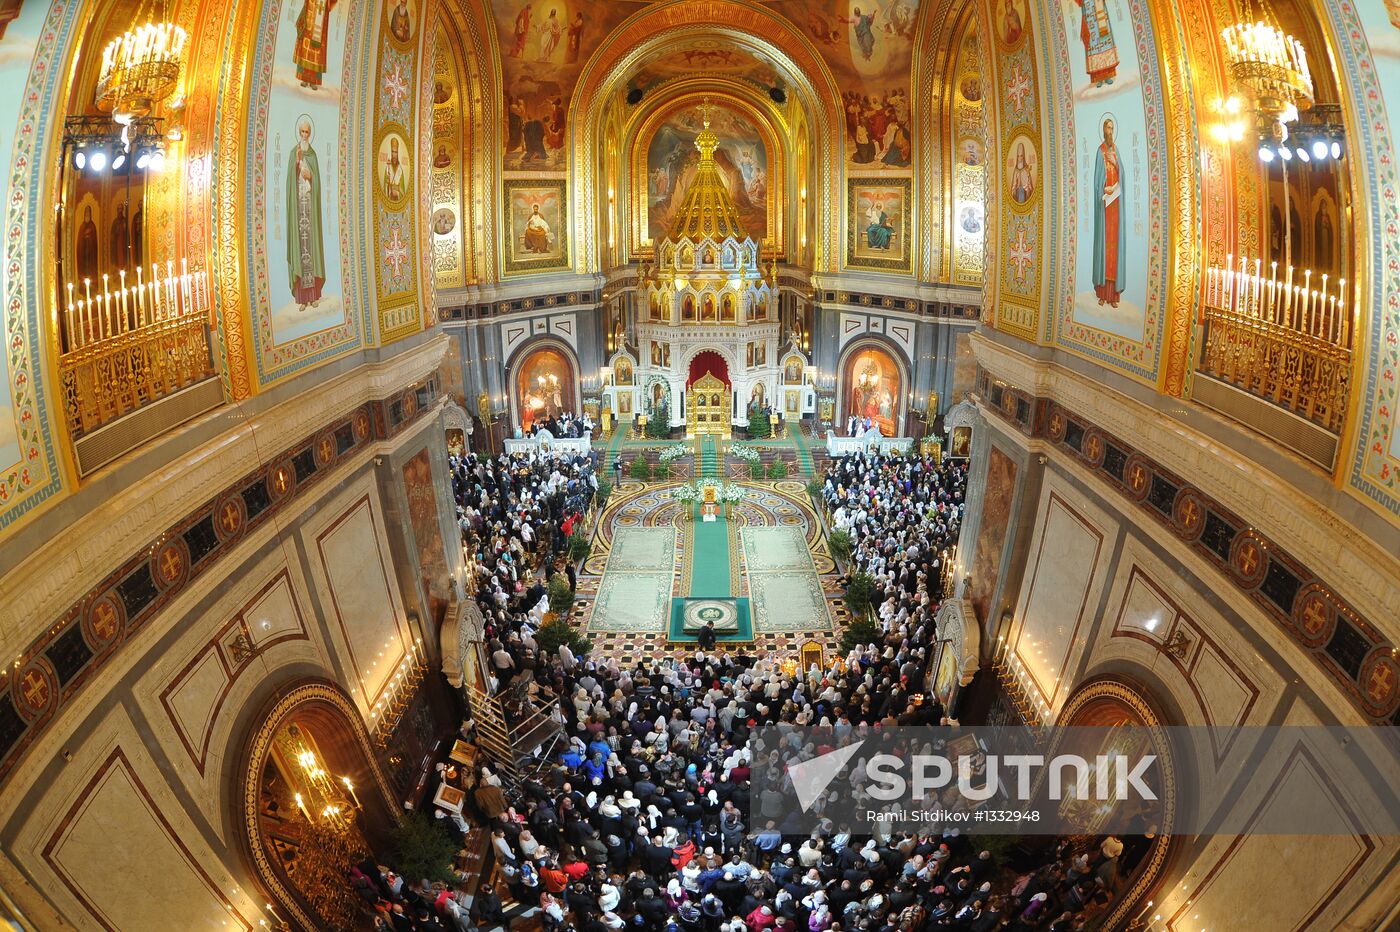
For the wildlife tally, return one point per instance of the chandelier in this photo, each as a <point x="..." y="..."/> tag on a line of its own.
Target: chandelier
<point x="318" y="792"/>
<point x="1272" y="64"/>
<point x="140" y="68"/>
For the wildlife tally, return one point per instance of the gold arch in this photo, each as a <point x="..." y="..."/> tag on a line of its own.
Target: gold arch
<point x="640" y="130"/>
<point x="1136" y="698"/>
<point x="746" y="25"/>
<point x="254" y="757"/>
<point x="472" y="42"/>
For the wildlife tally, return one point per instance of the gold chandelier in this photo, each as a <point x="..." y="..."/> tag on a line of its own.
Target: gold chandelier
<point x="1271" y="63"/>
<point x="139" y="69"/>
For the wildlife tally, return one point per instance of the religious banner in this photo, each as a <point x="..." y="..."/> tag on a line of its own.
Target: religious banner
<point x="877" y="224"/>
<point x="536" y="224"/>
<point x="397" y="250"/>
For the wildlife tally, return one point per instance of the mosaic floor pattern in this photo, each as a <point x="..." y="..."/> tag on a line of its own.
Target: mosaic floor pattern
<point x="785" y="593"/>
<point x="635" y="594"/>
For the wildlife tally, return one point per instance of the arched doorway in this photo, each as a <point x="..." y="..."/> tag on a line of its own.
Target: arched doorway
<point x="872" y="385"/>
<point x="1121" y="718"/>
<point x="544" y="386"/>
<point x="709" y="395"/>
<point x="313" y="801"/>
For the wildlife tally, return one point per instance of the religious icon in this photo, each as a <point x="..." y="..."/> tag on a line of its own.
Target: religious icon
<point x="972" y="152"/>
<point x="442" y="159"/>
<point x="1011" y="23"/>
<point x="522" y="31"/>
<point x="1022" y="175"/>
<point x="444" y="220"/>
<point x="792" y="371"/>
<point x="790" y="404"/>
<point x="1095" y="31"/>
<point x="877" y="237"/>
<point x="863" y="31"/>
<point x="306" y="255"/>
<point x="575" y="39"/>
<point x="87" y="251"/>
<point x="309" y="53"/>
<point x="971" y="219"/>
<point x="1110" y="221"/>
<point x="623" y="371"/>
<point x="117" y="241"/>
<point x="442" y="93"/>
<point x="658" y="395"/>
<point x="961" y="442"/>
<point x="537" y="232"/>
<point x="624" y="404"/>
<point x="401" y="21"/>
<point x="879" y="231"/>
<point x="550" y="31"/>
<point x="971" y="88"/>
<point x="393" y="169"/>
<point x="536" y="237"/>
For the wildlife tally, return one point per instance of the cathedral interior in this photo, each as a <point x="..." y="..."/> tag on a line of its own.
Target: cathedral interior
<point x="406" y="404"/>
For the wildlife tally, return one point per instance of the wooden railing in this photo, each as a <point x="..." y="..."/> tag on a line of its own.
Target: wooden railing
<point x="131" y="344"/>
<point x="1280" y="339"/>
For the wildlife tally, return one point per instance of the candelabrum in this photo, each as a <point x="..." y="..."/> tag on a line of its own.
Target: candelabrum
<point x="1290" y="300"/>
<point x="399" y="694"/>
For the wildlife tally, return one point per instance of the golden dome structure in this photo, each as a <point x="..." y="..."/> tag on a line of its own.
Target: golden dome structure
<point x="707" y="268"/>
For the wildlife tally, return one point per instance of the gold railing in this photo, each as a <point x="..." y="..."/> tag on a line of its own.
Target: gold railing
<point x="129" y="345"/>
<point x="1279" y="339"/>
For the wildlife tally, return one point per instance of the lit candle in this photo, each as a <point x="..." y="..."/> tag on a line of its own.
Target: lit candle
<point x="301" y="804"/>
<point x="1307" y="307"/>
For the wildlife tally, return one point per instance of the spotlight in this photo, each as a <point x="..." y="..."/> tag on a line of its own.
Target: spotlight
<point x="1285" y="153"/>
<point x="98" y="161"/>
<point x="143" y="159"/>
<point x="1266" y="153"/>
<point x="157" y="160"/>
<point x="1319" y="149"/>
<point x="118" y="161"/>
<point x="1336" y="149"/>
<point x="1302" y="153"/>
<point x="80" y="160"/>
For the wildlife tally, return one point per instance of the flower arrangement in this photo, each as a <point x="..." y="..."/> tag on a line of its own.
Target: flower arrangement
<point x="725" y="492"/>
<point x="673" y="453"/>
<point x="747" y="454"/>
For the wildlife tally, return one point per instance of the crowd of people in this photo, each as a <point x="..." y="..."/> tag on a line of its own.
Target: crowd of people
<point x="643" y="816"/>
<point x="516" y="514"/>
<point x="564" y="425"/>
<point x="903" y="514"/>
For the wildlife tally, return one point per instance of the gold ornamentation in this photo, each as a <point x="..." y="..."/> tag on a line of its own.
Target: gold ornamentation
<point x="261" y="746"/>
<point x="109" y="378"/>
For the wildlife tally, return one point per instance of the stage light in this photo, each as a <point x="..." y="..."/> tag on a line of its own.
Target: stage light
<point x="157" y="160"/>
<point x="1319" y="149"/>
<point x="1302" y="153"/>
<point x="118" y="161"/>
<point x="1285" y="153"/>
<point x="143" y="160"/>
<point x="98" y="161"/>
<point x="1336" y="149"/>
<point x="80" y="160"/>
<point x="1266" y="153"/>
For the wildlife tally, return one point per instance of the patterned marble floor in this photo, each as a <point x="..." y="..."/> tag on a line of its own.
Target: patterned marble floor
<point x="779" y="560"/>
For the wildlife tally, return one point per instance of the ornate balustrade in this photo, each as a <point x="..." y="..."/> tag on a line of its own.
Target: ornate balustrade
<point x="1280" y="339"/>
<point x="129" y="345"/>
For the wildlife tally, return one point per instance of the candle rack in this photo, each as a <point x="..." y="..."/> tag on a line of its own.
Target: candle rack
<point x="131" y="339"/>
<point x="1281" y="335"/>
<point x="398" y="698"/>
